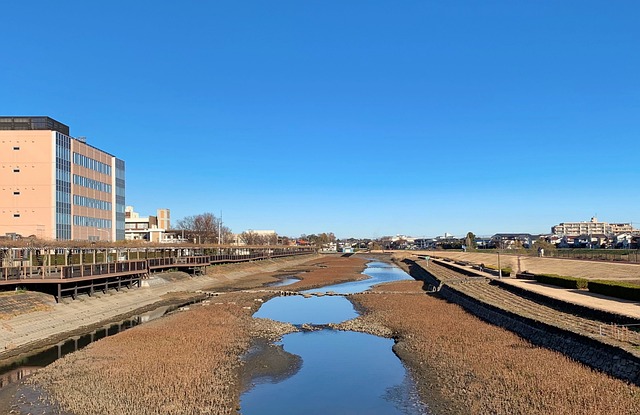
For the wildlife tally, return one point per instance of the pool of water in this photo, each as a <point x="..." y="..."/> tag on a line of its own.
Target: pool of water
<point x="314" y="310"/>
<point x="378" y="272"/>
<point x="284" y="282"/>
<point x="336" y="372"/>
<point x="342" y="373"/>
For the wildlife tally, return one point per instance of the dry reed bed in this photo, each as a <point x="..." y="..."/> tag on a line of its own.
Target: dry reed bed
<point x="184" y="364"/>
<point x="474" y="367"/>
<point x="330" y="270"/>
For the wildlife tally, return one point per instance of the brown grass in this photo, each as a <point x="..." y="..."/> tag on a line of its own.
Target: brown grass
<point x="183" y="364"/>
<point x="330" y="270"/>
<point x="478" y="368"/>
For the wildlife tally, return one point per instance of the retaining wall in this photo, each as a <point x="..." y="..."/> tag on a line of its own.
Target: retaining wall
<point x="606" y="358"/>
<point x="598" y="355"/>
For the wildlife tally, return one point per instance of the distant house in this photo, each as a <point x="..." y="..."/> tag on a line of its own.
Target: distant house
<point x="597" y="240"/>
<point x="512" y="240"/>
<point x="483" y="243"/>
<point x="424" y="243"/>
<point x="623" y="241"/>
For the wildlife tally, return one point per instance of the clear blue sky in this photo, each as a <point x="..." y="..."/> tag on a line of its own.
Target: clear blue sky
<point x="362" y="118"/>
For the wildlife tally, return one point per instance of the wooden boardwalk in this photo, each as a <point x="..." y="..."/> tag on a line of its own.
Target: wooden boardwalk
<point x="60" y="280"/>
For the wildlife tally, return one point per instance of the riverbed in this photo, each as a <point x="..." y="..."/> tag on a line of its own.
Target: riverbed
<point x="338" y="372"/>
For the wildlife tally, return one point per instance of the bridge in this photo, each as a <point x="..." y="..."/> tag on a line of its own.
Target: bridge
<point x="70" y="271"/>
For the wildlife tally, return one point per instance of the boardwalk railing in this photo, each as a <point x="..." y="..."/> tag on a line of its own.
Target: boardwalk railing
<point x="57" y="272"/>
<point x="50" y="273"/>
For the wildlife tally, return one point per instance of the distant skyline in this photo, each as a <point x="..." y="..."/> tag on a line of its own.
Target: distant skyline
<point x="362" y="118"/>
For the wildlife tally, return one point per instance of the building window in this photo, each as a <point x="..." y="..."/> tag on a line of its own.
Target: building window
<point x="16" y="215"/>
<point x="16" y="148"/>
<point x="16" y="170"/>
<point x="16" y="193"/>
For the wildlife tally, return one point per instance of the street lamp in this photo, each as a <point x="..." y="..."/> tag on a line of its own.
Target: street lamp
<point x="499" y="266"/>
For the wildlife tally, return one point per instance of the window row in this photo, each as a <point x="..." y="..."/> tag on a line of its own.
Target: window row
<point x="92" y="222"/>
<point x="91" y="203"/>
<point x="91" y="184"/>
<point x="92" y="164"/>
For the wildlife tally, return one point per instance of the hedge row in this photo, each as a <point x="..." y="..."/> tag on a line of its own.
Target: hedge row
<point x="506" y="271"/>
<point x="562" y="281"/>
<point x="616" y="289"/>
<point x="611" y="288"/>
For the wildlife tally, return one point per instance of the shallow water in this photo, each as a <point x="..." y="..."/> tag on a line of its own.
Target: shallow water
<point x="284" y="282"/>
<point x="341" y="372"/>
<point x="378" y="272"/>
<point x="314" y="310"/>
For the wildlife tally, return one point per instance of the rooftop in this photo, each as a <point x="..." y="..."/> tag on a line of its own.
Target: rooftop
<point x="32" y="123"/>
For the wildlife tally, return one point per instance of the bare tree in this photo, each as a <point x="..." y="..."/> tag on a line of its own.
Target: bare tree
<point x="254" y="238"/>
<point x="205" y="228"/>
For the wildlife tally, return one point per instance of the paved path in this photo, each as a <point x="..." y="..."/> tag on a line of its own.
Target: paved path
<point x="70" y="315"/>
<point x="601" y="330"/>
<point x="580" y="297"/>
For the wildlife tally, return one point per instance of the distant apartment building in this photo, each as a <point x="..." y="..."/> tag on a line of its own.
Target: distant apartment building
<point x="54" y="186"/>
<point x="591" y="227"/>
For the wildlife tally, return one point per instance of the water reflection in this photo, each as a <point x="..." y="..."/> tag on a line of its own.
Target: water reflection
<point x="284" y="282"/>
<point x="314" y="310"/>
<point x="341" y="372"/>
<point x="378" y="272"/>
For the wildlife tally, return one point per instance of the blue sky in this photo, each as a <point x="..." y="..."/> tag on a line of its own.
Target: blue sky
<point x="362" y="118"/>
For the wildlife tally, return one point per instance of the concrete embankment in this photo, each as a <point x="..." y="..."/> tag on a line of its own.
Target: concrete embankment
<point x="600" y="355"/>
<point x="23" y="331"/>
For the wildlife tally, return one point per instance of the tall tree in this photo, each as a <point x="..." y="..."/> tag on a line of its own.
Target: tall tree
<point x="470" y="240"/>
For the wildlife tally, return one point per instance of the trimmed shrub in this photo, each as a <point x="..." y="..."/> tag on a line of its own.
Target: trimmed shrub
<point x="616" y="289"/>
<point x="506" y="271"/>
<point x="562" y="281"/>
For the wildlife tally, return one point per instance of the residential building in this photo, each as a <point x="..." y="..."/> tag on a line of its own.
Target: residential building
<point x="55" y="186"/>
<point x="592" y="227"/>
<point x="164" y="218"/>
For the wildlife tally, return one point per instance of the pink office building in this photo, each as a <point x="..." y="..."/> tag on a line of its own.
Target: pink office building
<point x="54" y="186"/>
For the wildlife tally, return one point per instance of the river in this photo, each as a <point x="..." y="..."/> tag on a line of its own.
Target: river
<point x="337" y="372"/>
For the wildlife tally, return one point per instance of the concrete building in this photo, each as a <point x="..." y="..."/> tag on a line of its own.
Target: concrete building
<point x="592" y="227"/>
<point x="54" y="186"/>
<point x="150" y="228"/>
